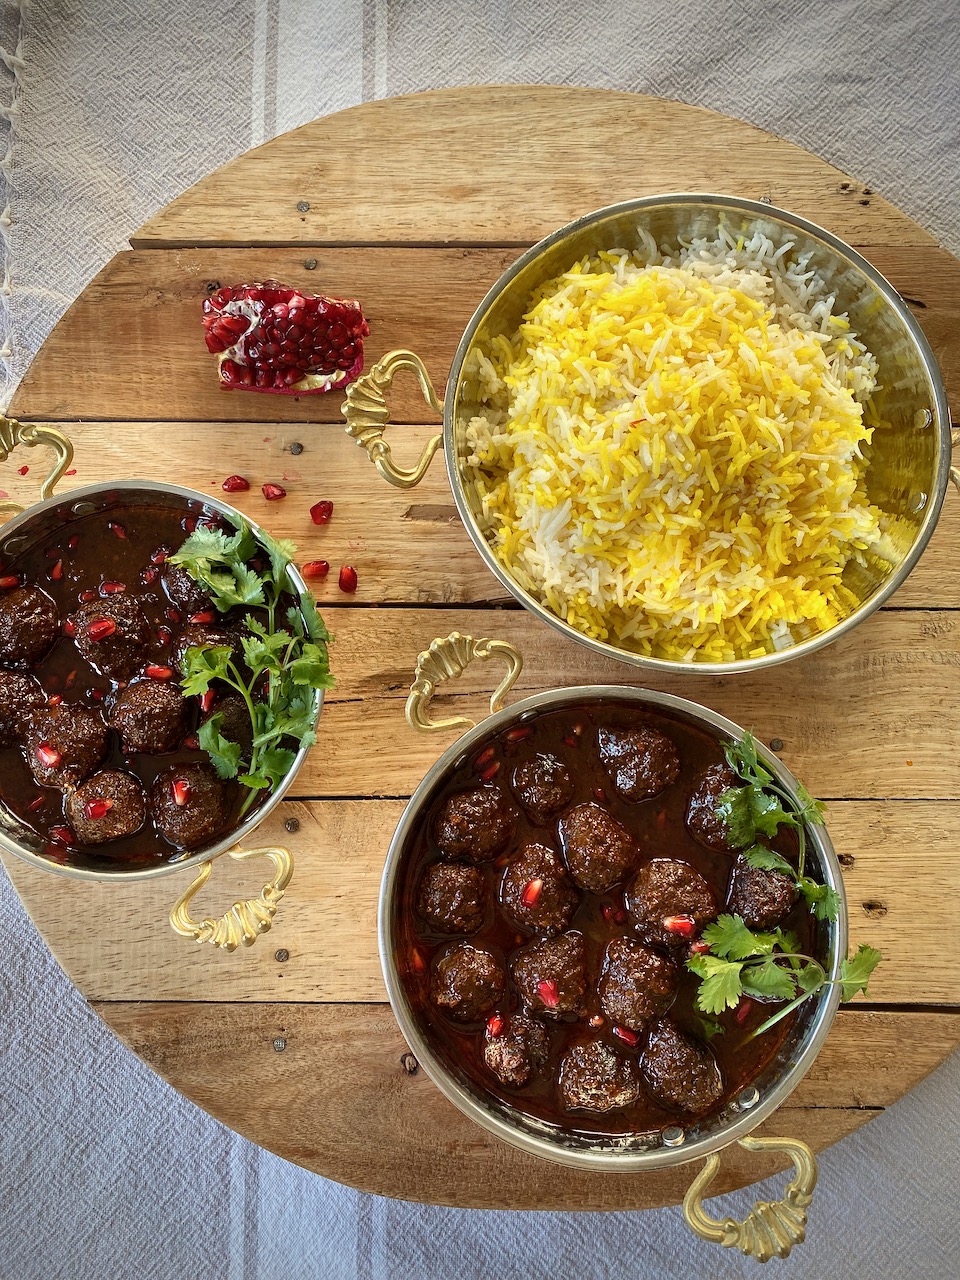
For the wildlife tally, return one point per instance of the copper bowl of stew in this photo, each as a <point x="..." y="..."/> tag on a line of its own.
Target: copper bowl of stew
<point x="66" y="555"/>
<point x="506" y="876"/>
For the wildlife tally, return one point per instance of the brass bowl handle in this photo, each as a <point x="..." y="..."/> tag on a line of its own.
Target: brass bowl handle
<point x="366" y="412"/>
<point x="955" y="444"/>
<point x="245" y="921"/>
<point x="13" y="433"/>
<point x="447" y="659"/>
<point x="770" y="1229"/>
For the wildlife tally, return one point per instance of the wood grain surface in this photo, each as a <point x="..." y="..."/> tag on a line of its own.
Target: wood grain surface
<point x="417" y="205"/>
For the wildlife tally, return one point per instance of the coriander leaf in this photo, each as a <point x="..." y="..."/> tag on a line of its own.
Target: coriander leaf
<point x="810" y="978"/>
<point x="276" y="763"/>
<point x="255" y="781"/>
<point x="201" y="665"/>
<point x="730" y="938"/>
<point x="311" y="668"/>
<point x="811" y="810"/>
<point x="742" y="759"/>
<point x="855" y="973"/>
<point x="265" y="653"/>
<point x="736" y="813"/>
<point x="787" y="941"/>
<point x="710" y="1027"/>
<point x="720" y="987"/>
<point x="310" y="615"/>
<point x="224" y="754"/>
<point x="768" y="980"/>
<point x="281" y="553"/>
<point x="764" y="859"/>
<point x="249" y="585"/>
<point x="768" y="812"/>
<point x="824" y="900"/>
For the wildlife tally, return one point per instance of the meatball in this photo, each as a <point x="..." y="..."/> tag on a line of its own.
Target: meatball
<point x="107" y="806"/>
<point x="599" y="851"/>
<point x="641" y="762"/>
<point x="183" y="591"/>
<point x="704" y="821"/>
<point x="467" y="982"/>
<point x="235" y="723"/>
<point x="543" y="786"/>
<point x="637" y="984"/>
<point x="150" y="715"/>
<point x="665" y="889"/>
<point x="19" y="696"/>
<point x="473" y="824"/>
<point x="761" y="898"/>
<point x="452" y="897"/>
<point x="191" y="805"/>
<point x="112" y="635"/>
<point x="679" y="1071"/>
<point x="515" y="1048"/>
<point x="63" y="744"/>
<point x="196" y="636"/>
<point x="551" y="975"/>
<point x="29" y="626"/>
<point x="594" y="1078"/>
<point x="536" y="892"/>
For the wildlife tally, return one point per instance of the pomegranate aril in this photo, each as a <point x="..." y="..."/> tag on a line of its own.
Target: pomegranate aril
<point x="96" y="694"/>
<point x="61" y="835"/>
<point x="55" y="699"/>
<point x="181" y="791"/>
<point x="417" y="961"/>
<point x="495" y="1025"/>
<point x="158" y="673"/>
<point x="112" y="588"/>
<point x="484" y="758"/>
<point x="600" y="794"/>
<point x="116" y="529"/>
<point x="150" y="575"/>
<point x="203" y="617"/>
<point x="491" y="771"/>
<point x="207" y="700"/>
<point x="48" y="755"/>
<point x="518" y="734"/>
<point x="682" y="926"/>
<point x="571" y="741"/>
<point x="192" y="743"/>
<point x="314" y="569"/>
<point x="56" y="573"/>
<point x="547" y="991"/>
<point x="164" y="636"/>
<point x="101" y="628"/>
<point x="35" y="805"/>
<point x="699" y="948"/>
<point x="87" y="596"/>
<point x="596" y="1020"/>
<point x="69" y="627"/>
<point x="72" y="544"/>
<point x="188" y="524"/>
<point x="172" y="614"/>
<point x="607" y="911"/>
<point x="321" y="512"/>
<point x="626" y="1035"/>
<point x="97" y="808"/>
<point x="9" y="580"/>
<point x="531" y="893"/>
<point x="160" y="555"/>
<point x="70" y="679"/>
<point x="743" y="1011"/>
<point x="348" y="579"/>
<point x="662" y="818"/>
<point x="273" y="492"/>
<point x="619" y="916"/>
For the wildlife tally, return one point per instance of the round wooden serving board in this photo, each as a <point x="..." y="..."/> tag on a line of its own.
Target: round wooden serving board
<point x="415" y="206"/>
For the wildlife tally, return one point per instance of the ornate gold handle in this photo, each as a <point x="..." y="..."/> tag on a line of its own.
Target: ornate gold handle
<point x="366" y="412"/>
<point x="770" y="1229"/>
<point x="245" y="921"/>
<point x="955" y="444"/>
<point x="31" y="434"/>
<point x="447" y="659"/>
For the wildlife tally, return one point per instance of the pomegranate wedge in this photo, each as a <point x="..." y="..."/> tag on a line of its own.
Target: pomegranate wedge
<point x="267" y="337"/>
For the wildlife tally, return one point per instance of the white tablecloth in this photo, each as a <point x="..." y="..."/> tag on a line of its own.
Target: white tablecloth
<point x="110" y="108"/>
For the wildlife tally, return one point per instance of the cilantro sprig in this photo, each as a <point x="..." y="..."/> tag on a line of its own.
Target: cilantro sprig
<point x="285" y="658"/>
<point x="768" y="966"/>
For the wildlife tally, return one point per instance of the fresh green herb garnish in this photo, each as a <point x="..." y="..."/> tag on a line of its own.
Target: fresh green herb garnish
<point x="283" y="666"/>
<point x="767" y="966"/>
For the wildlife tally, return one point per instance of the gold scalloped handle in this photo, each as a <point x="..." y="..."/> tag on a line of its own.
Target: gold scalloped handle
<point x="770" y="1230"/>
<point x="367" y="415"/>
<point x="447" y="659"/>
<point x="14" y="433"/>
<point x="245" y="921"/>
<point x="954" y="445"/>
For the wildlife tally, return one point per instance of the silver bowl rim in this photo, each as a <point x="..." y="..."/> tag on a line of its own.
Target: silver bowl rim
<point x="757" y="208"/>
<point x="622" y="1161"/>
<point x="121" y="874"/>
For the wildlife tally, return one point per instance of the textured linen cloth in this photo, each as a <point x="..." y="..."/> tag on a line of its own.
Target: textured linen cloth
<point x="110" y="108"/>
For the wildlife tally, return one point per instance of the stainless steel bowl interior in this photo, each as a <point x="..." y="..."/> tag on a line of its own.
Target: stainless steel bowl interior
<point x="908" y="462"/>
<point x="36" y="524"/>
<point x="699" y="1138"/>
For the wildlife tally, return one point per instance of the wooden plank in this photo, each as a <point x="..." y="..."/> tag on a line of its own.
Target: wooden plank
<point x="538" y="157"/>
<point x="900" y="867"/>
<point x="338" y="1082"/>
<point x="131" y="346"/>
<point x="408" y="547"/>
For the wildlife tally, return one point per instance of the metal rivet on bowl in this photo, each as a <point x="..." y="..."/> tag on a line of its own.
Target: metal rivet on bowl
<point x="458" y="764"/>
<point x="409" y="1063"/>
<point x="279" y="1044"/>
<point x="673" y="1136"/>
<point x="922" y="418"/>
<point x="528" y="715"/>
<point x="919" y="501"/>
<point x="747" y="1098"/>
<point x="83" y="508"/>
<point x="291" y="825"/>
<point x="13" y="546"/>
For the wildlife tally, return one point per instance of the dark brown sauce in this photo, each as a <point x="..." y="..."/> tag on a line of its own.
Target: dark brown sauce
<point x="659" y="827"/>
<point x="90" y="552"/>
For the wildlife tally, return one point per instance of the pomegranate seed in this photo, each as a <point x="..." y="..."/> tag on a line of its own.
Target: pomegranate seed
<point x="273" y="492"/>
<point x="158" y="673"/>
<point x="112" y="588"/>
<point x="597" y="1020"/>
<point x="206" y="700"/>
<point x="743" y="1011"/>
<point x="348" y="579"/>
<point x="188" y="524"/>
<point x="192" y="743"/>
<point x="531" y="894"/>
<point x="321" y="512"/>
<point x="35" y="805"/>
<point x="150" y="575"/>
<point x="495" y="1025"/>
<point x="87" y="596"/>
<point x="518" y="734"/>
<point x="502" y="861"/>
<point x="96" y="809"/>
<point x="626" y="1035"/>
<point x="417" y="961"/>
<point x="61" y="835"/>
<point x="9" y="580"/>
<point x="22" y="471"/>
<point x="204" y="616"/>
<point x="235" y="484"/>
<point x="96" y="694"/>
<point x="607" y="911"/>
<point x="571" y="741"/>
<point x="315" y="569"/>
<point x="164" y="636"/>
<point x="682" y="926"/>
<point x="699" y="948"/>
<point x="484" y="758"/>
<point x="491" y="771"/>
<point x="619" y="916"/>
<point x="662" y="818"/>
<point x="116" y="529"/>
<point x="48" y="755"/>
<point x="600" y="793"/>
<point x="100" y="628"/>
<point x="56" y="573"/>
<point x="173" y="614"/>
<point x="181" y="791"/>
<point x="69" y="627"/>
<point x="72" y="544"/>
<point x="159" y="556"/>
<point x="70" y="680"/>
<point x="547" y="991"/>
<point x="55" y="699"/>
